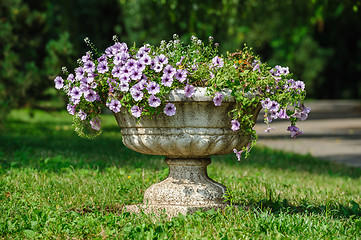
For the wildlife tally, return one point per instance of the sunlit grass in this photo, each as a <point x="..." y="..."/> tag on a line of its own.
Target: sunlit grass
<point x="55" y="185"/>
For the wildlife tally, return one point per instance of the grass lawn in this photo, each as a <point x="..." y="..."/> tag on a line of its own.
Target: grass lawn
<point x="55" y="185"/>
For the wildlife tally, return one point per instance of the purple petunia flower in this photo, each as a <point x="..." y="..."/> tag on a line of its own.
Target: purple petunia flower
<point x="154" y="101"/>
<point x="278" y="71"/>
<point x="75" y="101"/>
<point x="162" y="59"/>
<point x="90" y="95"/>
<point x="117" y="60"/>
<point x="59" y="82"/>
<point x="181" y="75"/>
<point x="82" y="115"/>
<point x="136" y="94"/>
<point x="140" y="66"/>
<point x="124" y="86"/>
<point x="71" y="78"/>
<point x="141" y="85"/>
<point x="115" y="105"/>
<point x="89" y="66"/>
<point x="135" y="74"/>
<point x="238" y="153"/>
<point x="125" y="71"/>
<point x="153" y="88"/>
<point x="136" y="111"/>
<point x="218" y="99"/>
<point x="95" y="123"/>
<point x="109" y="52"/>
<point x="235" y="125"/>
<point x="79" y="73"/>
<point x="83" y="81"/>
<point x="265" y="103"/>
<point x="124" y="78"/>
<point x="189" y="90"/>
<point x="91" y="77"/>
<point x="102" y="59"/>
<point x="291" y="84"/>
<point x="71" y="109"/>
<point x="306" y="110"/>
<point x="158" y="67"/>
<point x="130" y="64"/>
<point x="141" y="53"/>
<point x="103" y="67"/>
<point x="117" y="47"/>
<point x="295" y="131"/>
<point x="76" y="93"/>
<point x="167" y="80"/>
<point x="284" y="71"/>
<point x="272" y="115"/>
<point x="217" y="62"/>
<point x="169" y="70"/>
<point x="146" y="60"/>
<point x="145" y="48"/>
<point x="169" y="109"/>
<point x="273" y="106"/>
<point x="300" y="85"/>
<point x="86" y="57"/>
<point x="117" y="71"/>
<point x="283" y="114"/>
<point x="302" y="115"/>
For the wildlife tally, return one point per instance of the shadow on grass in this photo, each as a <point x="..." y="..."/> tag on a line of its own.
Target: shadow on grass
<point x="353" y="211"/>
<point x="336" y="210"/>
<point x="52" y="148"/>
<point x="263" y="157"/>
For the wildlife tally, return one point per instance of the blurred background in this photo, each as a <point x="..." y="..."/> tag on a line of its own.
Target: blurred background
<point x="320" y="40"/>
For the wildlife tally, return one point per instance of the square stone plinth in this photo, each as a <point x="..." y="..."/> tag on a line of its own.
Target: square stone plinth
<point x="171" y="210"/>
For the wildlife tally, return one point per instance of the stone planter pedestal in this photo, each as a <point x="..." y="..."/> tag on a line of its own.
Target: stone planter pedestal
<point x="188" y="139"/>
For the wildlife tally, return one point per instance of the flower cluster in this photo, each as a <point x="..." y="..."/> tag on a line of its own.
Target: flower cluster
<point x="138" y="79"/>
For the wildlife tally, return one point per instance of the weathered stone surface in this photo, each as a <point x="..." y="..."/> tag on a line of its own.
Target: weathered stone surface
<point x="188" y="139"/>
<point x="187" y="184"/>
<point x="197" y="129"/>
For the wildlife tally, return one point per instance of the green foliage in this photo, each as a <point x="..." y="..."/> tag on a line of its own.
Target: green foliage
<point x="54" y="184"/>
<point x="28" y="54"/>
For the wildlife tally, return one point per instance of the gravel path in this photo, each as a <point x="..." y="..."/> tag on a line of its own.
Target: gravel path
<point x="332" y="132"/>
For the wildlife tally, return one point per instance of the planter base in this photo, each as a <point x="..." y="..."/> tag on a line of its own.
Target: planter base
<point x="187" y="184"/>
<point x="171" y="210"/>
<point x="187" y="189"/>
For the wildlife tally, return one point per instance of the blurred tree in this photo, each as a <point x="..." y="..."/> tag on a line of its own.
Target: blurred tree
<point x="339" y="29"/>
<point x="24" y="31"/>
<point x="318" y="39"/>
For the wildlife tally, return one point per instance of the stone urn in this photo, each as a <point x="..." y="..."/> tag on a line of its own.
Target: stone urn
<point x="198" y="130"/>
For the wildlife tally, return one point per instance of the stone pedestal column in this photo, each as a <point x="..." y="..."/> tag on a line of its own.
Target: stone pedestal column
<point x="186" y="189"/>
<point x="187" y="184"/>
